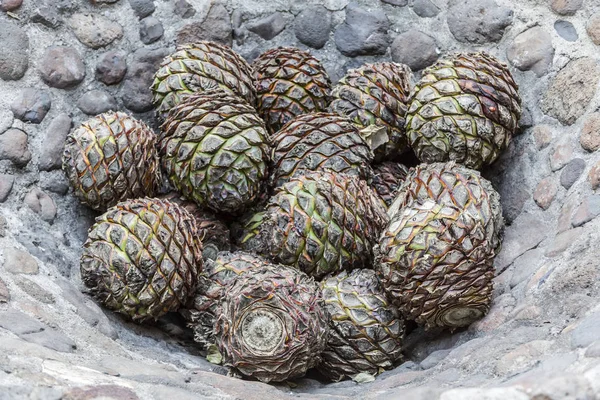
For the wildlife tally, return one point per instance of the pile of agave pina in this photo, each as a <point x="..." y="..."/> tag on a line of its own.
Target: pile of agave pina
<point x="336" y="243"/>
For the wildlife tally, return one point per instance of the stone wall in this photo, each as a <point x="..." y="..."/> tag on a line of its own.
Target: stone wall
<point x="63" y="60"/>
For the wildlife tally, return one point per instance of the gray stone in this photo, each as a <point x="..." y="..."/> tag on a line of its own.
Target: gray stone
<point x="593" y="28"/>
<point x="526" y="120"/>
<point x="31" y="105"/>
<point x="184" y="9"/>
<point x="151" y="30"/>
<point x="587" y="210"/>
<point x="586" y="331"/>
<point x="6" y="184"/>
<point x="4" y="293"/>
<point x="594" y="176"/>
<point x="312" y="26"/>
<point x="3" y="225"/>
<point x="532" y="50"/>
<point x="35" y="291"/>
<point x="19" y="323"/>
<point x="434" y="358"/>
<point x="363" y="32"/>
<point x="415" y="49"/>
<point x="13" y="147"/>
<point x="563" y="241"/>
<point x="47" y="16"/>
<point x="6" y="119"/>
<point x="542" y="135"/>
<point x="46" y="247"/>
<point x="572" y="90"/>
<point x="566" y="7"/>
<point x="478" y="21"/>
<point x="41" y="204"/>
<point x="216" y="27"/>
<point x="95" y="30"/>
<point x="399" y="3"/>
<point x="50" y="156"/>
<point x="268" y="27"/>
<point x="52" y="339"/>
<point x="561" y="156"/>
<point x="425" y="8"/>
<point x="525" y="266"/>
<point x="590" y="133"/>
<point x="97" y="102"/>
<point x="62" y="67"/>
<point x="15" y="51"/>
<point x="484" y="394"/>
<point x="10" y="5"/>
<point x="107" y="392"/>
<point x="111" y="67"/>
<point x="593" y="350"/>
<point x="572" y="172"/>
<point x="525" y="233"/>
<point x="545" y="192"/>
<point x="55" y="182"/>
<point x="142" y="8"/>
<point x="566" y="30"/>
<point x="135" y="92"/>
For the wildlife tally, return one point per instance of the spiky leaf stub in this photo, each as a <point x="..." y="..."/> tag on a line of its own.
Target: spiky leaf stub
<point x="319" y="142"/>
<point x="198" y="67"/>
<point x="465" y="108"/>
<point x="141" y="258"/>
<point x="110" y="158"/>
<point x="387" y="179"/>
<point x="289" y="82"/>
<point x="376" y="94"/>
<point x="272" y="324"/>
<point x="215" y="150"/>
<point x="436" y="255"/>
<point x="320" y="223"/>
<point x="366" y="330"/>
<point x="213" y="282"/>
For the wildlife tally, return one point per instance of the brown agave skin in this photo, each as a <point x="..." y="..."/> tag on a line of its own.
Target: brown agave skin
<point x="212" y="232"/>
<point x="110" y="158"/>
<point x="366" y="331"/>
<point x="272" y="324"/>
<point x="197" y="67"/>
<point x="387" y="179"/>
<point x="320" y="223"/>
<point x="215" y="150"/>
<point x="318" y="142"/>
<point x="376" y="94"/>
<point x="435" y="257"/>
<point x="289" y="82"/>
<point x="216" y="277"/>
<point x="466" y="108"/>
<point x="142" y="259"/>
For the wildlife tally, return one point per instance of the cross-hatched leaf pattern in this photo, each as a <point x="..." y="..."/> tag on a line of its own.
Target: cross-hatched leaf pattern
<point x="272" y="324"/>
<point x="376" y="94"/>
<point x="466" y="108"/>
<point x="436" y="255"/>
<point x="319" y="142"/>
<point x="142" y="259"/>
<point x="289" y="82"/>
<point x="387" y="179"/>
<point x="320" y="223"/>
<point x="110" y="158"/>
<point x="198" y="67"/>
<point x="215" y="150"/>
<point x="366" y="330"/>
<point x="213" y="281"/>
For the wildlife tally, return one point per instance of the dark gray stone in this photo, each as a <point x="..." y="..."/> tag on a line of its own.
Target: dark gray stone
<point x="46" y="247"/>
<point x="363" y="32"/>
<point x="3" y="225"/>
<point x="532" y="50"/>
<point x="586" y="331"/>
<point x="15" y="51"/>
<point x="41" y="204"/>
<point x="97" y="102"/>
<point x="587" y="210"/>
<point x="55" y="182"/>
<point x="572" y="172"/>
<point x="6" y="184"/>
<point x="415" y="49"/>
<point x="478" y="21"/>
<point x="111" y="67"/>
<point x="47" y="16"/>
<point x="135" y="92"/>
<point x="95" y="30"/>
<point x="184" y="9"/>
<point x="151" y="30"/>
<point x="216" y="27"/>
<point x="20" y="323"/>
<point x="566" y="30"/>
<point x="13" y="147"/>
<point x="312" y="26"/>
<point x="425" y="8"/>
<point x="398" y="3"/>
<point x="142" y="8"/>
<point x="31" y="105"/>
<point x="51" y="152"/>
<point x="62" y="67"/>
<point x="268" y="27"/>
